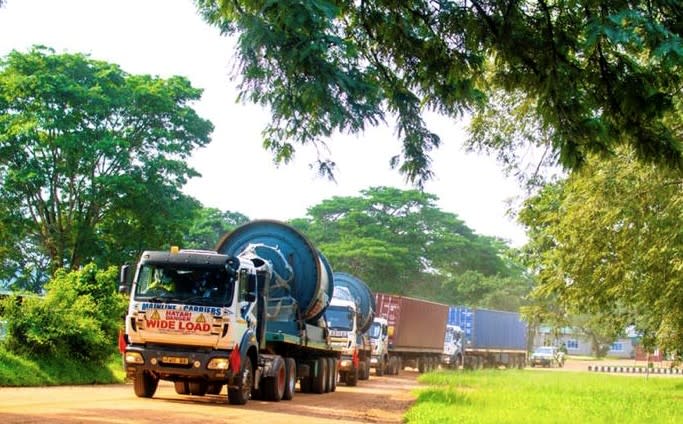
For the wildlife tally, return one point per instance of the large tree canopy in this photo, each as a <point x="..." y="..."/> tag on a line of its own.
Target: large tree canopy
<point x="597" y="73"/>
<point x="92" y="159"/>
<point x="401" y="242"/>
<point x="607" y="242"/>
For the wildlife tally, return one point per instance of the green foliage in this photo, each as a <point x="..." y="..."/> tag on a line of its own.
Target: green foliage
<point x="607" y="242"/>
<point x="209" y="225"/>
<point x="399" y="242"/>
<point x="92" y="160"/>
<point x="594" y="75"/>
<point x="515" y="396"/>
<point x="78" y="318"/>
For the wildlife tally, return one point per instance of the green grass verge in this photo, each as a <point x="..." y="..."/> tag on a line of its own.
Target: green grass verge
<point x="19" y="371"/>
<point x="518" y="396"/>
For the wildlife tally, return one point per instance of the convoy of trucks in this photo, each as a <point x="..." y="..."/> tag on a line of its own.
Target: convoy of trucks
<point x="264" y="311"/>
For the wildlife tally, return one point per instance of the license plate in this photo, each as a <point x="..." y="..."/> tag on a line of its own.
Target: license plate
<point x="175" y="360"/>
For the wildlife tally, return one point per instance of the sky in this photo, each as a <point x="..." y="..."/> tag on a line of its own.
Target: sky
<point x="168" y="37"/>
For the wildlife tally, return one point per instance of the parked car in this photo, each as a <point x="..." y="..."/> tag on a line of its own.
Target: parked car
<point x="547" y="356"/>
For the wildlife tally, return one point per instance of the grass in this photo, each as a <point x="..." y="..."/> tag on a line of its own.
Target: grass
<point x="20" y="371"/>
<point x="518" y="396"/>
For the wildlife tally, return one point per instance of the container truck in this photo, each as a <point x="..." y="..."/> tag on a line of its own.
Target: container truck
<point x="247" y="316"/>
<point x="416" y="330"/>
<point x="349" y="316"/>
<point x="483" y="338"/>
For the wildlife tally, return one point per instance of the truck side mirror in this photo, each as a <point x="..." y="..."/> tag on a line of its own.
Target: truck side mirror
<point x="124" y="279"/>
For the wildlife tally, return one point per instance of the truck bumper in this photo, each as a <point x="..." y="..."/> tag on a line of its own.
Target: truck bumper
<point x="345" y="363"/>
<point x="178" y="364"/>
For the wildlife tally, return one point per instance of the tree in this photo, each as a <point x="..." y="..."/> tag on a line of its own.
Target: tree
<point x="92" y="159"/>
<point x="598" y="74"/>
<point x="607" y="242"/>
<point x="209" y="225"/>
<point x="398" y="241"/>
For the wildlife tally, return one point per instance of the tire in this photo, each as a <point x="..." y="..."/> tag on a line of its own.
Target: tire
<point x="181" y="387"/>
<point x="379" y="369"/>
<point x="290" y="378"/>
<point x="145" y="385"/>
<point x="421" y="365"/>
<point x="331" y="374"/>
<point x="364" y="373"/>
<point x="393" y="365"/>
<point x="351" y="377"/>
<point x="335" y="375"/>
<point x="320" y="380"/>
<point x="240" y="395"/>
<point x="214" y="389"/>
<point x="274" y="387"/>
<point x="198" y="388"/>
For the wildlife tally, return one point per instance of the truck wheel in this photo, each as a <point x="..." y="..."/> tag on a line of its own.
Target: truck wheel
<point x="365" y="370"/>
<point x="181" y="387"/>
<point x="290" y="377"/>
<point x="214" y="389"/>
<point x="334" y="374"/>
<point x="379" y="369"/>
<point x="145" y="384"/>
<point x="197" y="388"/>
<point x="421" y="362"/>
<point x="274" y="387"/>
<point x="331" y="374"/>
<point x="320" y="380"/>
<point x="239" y="395"/>
<point x="351" y="377"/>
<point x="306" y="384"/>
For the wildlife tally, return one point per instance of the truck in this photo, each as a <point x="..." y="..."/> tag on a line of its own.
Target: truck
<point x="415" y="330"/>
<point x="349" y="316"/>
<point x="247" y="315"/>
<point x="379" y="341"/>
<point x="483" y="338"/>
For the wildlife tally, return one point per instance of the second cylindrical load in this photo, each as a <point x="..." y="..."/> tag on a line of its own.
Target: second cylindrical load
<point x="361" y="294"/>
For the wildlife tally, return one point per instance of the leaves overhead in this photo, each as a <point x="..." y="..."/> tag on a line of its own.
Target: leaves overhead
<point x="598" y="74"/>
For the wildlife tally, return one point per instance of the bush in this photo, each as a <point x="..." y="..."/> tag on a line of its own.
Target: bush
<point x="78" y="318"/>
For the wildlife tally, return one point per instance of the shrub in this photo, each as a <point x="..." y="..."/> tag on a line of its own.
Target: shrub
<point x="79" y="317"/>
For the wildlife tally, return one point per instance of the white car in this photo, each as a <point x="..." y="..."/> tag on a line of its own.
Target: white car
<point x="547" y="356"/>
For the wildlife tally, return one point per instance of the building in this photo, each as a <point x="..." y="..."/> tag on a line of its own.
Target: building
<point x="579" y="345"/>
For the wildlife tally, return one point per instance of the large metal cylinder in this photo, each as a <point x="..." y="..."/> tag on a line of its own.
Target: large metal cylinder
<point x="361" y="294"/>
<point x="300" y="271"/>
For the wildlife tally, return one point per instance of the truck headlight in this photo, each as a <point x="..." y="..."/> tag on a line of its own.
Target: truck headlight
<point x="218" y="364"/>
<point x="134" y="358"/>
<point x="346" y="363"/>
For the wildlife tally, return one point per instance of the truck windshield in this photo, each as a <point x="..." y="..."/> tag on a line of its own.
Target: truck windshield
<point x="375" y="330"/>
<point x="339" y="318"/>
<point x="184" y="285"/>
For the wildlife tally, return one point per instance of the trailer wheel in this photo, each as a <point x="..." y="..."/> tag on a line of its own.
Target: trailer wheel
<point x="214" y="389"/>
<point x="181" y="387"/>
<point x="274" y="387"/>
<point x="334" y="374"/>
<point x="331" y="374"/>
<point x="351" y="377"/>
<point x="239" y="395"/>
<point x="198" y="388"/>
<point x="290" y="376"/>
<point x="320" y="379"/>
<point x="145" y="384"/>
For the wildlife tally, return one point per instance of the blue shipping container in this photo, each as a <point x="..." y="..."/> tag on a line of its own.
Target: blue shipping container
<point x="488" y="329"/>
